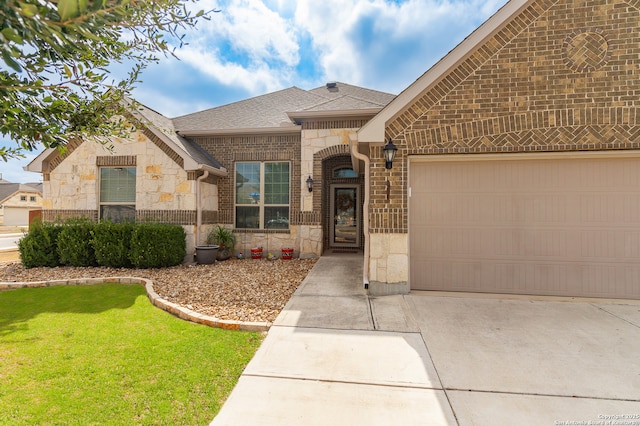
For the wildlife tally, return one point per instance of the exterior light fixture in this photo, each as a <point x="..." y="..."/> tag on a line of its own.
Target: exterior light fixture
<point x="310" y="184"/>
<point x="389" y="154"/>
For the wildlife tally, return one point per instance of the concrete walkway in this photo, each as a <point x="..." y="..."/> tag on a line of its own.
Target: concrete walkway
<point x="336" y="356"/>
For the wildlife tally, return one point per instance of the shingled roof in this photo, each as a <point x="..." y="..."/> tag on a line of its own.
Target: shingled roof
<point x="273" y="110"/>
<point x="163" y="127"/>
<point x="269" y="112"/>
<point x="8" y="189"/>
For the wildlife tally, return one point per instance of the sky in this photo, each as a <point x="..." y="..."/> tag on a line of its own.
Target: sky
<point x="253" y="47"/>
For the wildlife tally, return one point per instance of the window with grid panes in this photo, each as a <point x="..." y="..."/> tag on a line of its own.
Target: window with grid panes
<point x="118" y="193"/>
<point x="262" y="195"/>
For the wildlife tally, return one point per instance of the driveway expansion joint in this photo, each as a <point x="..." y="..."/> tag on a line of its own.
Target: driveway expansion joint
<point x="614" y="315"/>
<point x="549" y="395"/>
<point x="347" y="382"/>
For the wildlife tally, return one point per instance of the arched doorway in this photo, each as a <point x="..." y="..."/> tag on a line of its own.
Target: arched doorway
<point x="342" y="205"/>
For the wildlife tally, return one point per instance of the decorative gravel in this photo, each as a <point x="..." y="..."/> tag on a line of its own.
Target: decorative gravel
<point x="241" y="290"/>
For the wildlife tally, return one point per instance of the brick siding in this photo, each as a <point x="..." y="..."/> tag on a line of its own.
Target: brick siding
<point x="230" y="149"/>
<point x="561" y="76"/>
<point x="178" y="217"/>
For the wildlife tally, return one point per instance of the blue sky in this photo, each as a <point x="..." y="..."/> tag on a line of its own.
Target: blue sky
<point x="252" y="47"/>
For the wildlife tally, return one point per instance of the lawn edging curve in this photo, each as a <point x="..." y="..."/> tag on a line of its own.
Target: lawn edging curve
<point x="155" y="299"/>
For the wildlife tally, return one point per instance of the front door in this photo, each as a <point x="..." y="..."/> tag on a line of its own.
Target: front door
<point x="345" y="211"/>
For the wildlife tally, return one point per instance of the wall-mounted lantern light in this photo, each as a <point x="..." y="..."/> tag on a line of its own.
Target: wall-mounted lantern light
<point x="310" y="184"/>
<point x="389" y="154"/>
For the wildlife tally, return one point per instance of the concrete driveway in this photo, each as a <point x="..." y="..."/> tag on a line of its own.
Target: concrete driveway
<point x="524" y="361"/>
<point x="337" y="356"/>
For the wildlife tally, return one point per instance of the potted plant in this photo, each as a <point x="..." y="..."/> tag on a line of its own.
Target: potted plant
<point x="224" y="238"/>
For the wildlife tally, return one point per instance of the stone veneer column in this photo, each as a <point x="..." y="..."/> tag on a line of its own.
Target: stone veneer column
<point x="389" y="264"/>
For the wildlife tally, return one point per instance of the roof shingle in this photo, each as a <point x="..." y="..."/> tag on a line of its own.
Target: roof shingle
<point x="270" y="110"/>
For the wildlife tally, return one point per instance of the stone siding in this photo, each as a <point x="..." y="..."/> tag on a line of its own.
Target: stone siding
<point x="164" y="191"/>
<point x="161" y="185"/>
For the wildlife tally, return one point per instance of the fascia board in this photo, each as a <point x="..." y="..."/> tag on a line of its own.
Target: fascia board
<point x="36" y="164"/>
<point x="334" y="113"/>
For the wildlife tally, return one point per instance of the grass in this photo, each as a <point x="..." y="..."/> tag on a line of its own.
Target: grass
<point x="103" y="354"/>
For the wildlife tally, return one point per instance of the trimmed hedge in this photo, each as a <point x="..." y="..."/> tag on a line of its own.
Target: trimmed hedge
<point x="156" y="245"/>
<point x="80" y="242"/>
<point x="74" y="243"/>
<point x="38" y="246"/>
<point x="112" y="244"/>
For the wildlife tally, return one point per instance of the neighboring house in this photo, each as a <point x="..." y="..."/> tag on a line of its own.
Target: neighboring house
<point x="517" y="170"/>
<point x="17" y="200"/>
<point x="244" y="165"/>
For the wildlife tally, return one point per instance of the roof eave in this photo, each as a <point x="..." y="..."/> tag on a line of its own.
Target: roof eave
<point x="374" y="130"/>
<point x="36" y="164"/>
<point x="241" y="131"/>
<point x="221" y="172"/>
<point x="364" y="112"/>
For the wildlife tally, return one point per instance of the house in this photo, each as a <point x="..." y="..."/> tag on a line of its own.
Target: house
<point x="517" y="167"/>
<point x="17" y="200"/>
<point x="276" y="168"/>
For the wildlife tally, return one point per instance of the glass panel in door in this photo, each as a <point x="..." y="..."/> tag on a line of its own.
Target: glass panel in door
<point x="345" y="217"/>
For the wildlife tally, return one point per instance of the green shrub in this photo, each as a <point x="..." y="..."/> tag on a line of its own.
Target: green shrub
<point x="74" y="243"/>
<point x="157" y="245"/>
<point x="38" y="246"/>
<point x="112" y="244"/>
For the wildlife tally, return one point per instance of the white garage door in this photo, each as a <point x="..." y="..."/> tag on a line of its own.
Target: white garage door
<point x="526" y="224"/>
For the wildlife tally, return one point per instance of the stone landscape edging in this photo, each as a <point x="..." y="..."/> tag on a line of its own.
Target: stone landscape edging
<point x="173" y="308"/>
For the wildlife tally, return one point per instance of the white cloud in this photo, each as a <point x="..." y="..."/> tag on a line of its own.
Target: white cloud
<point x="255" y="78"/>
<point x="364" y="41"/>
<point x="260" y="46"/>
<point x="260" y="32"/>
<point x="246" y="45"/>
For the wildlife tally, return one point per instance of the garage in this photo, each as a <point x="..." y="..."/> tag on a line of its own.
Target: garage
<point x="563" y="224"/>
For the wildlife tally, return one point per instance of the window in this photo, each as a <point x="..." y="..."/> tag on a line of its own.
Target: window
<point x="345" y="172"/>
<point x="262" y="195"/>
<point x="32" y="198"/>
<point x="23" y="198"/>
<point x="118" y="193"/>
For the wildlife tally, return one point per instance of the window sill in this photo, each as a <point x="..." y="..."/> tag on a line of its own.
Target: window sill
<point x="261" y="231"/>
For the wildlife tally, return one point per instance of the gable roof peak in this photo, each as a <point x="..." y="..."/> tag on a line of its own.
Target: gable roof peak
<point x="374" y="130"/>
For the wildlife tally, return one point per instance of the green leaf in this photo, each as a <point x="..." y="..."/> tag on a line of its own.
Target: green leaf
<point x="68" y="9"/>
<point x="10" y="61"/>
<point x="10" y="34"/>
<point x="28" y="10"/>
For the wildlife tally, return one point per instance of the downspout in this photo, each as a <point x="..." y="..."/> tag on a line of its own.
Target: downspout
<point x="365" y="208"/>
<point x="199" y="205"/>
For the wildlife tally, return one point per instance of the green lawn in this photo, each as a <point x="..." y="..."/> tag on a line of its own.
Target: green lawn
<point x="103" y="354"/>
